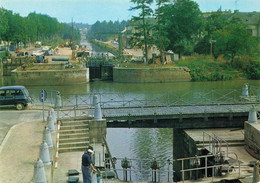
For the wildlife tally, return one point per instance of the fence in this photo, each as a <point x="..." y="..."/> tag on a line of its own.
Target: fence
<point x="141" y="169"/>
<point x="192" y="97"/>
<point x="214" y="143"/>
<point x="50" y="100"/>
<point x="201" y="163"/>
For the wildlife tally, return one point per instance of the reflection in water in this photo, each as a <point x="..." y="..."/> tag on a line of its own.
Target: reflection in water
<point x="142" y="144"/>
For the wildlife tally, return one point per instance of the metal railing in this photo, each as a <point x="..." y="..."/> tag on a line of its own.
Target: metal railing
<point x="50" y="100"/>
<point x="206" y="167"/>
<point x="214" y="143"/>
<point x="190" y="98"/>
<point x="133" y="169"/>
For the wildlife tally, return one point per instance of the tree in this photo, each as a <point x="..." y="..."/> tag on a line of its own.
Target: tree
<point x="142" y="24"/>
<point x="233" y="40"/>
<point x="184" y="25"/>
<point x="216" y="21"/>
<point x="160" y="35"/>
<point x="3" y="23"/>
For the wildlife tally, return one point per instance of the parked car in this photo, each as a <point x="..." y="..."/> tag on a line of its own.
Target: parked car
<point x="15" y="95"/>
<point x="22" y="53"/>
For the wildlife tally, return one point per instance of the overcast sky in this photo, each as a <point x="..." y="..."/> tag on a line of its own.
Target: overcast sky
<point x="89" y="11"/>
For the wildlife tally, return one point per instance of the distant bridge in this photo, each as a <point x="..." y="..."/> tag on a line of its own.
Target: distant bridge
<point x="194" y="109"/>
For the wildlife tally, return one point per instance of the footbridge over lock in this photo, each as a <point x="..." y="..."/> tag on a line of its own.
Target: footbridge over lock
<point x="193" y="109"/>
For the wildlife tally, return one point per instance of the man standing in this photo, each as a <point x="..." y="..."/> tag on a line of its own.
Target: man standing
<point x="86" y="166"/>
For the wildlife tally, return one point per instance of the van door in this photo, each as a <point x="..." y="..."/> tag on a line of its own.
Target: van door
<point x="2" y="97"/>
<point x="9" y="97"/>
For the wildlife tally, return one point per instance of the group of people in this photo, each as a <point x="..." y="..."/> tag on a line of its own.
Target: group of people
<point x="87" y="165"/>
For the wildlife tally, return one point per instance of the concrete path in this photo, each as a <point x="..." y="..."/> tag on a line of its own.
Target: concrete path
<point x="10" y="117"/>
<point x="20" y="150"/>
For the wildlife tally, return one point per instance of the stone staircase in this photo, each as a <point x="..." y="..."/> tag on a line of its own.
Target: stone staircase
<point x="74" y="136"/>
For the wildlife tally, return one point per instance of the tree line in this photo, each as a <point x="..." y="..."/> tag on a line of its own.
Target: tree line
<point x="35" y="27"/>
<point x="106" y="30"/>
<point x="180" y="26"/>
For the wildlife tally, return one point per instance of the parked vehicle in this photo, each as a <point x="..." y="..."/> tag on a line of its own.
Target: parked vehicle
<point x="15" y="95"/>
<point x="22" y="53"/>
<point x="40" y="59"/>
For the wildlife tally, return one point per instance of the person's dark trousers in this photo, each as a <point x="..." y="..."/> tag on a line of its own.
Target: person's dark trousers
<point x="86" y="174"/>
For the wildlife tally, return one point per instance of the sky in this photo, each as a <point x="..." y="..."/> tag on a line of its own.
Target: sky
<point x="90" y="11"/>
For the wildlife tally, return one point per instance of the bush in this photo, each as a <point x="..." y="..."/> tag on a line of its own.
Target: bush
<point x="204" y="68"/>
<point x="252" y="70"/>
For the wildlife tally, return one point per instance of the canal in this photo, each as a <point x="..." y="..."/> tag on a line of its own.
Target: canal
<point x="141" y="143"/>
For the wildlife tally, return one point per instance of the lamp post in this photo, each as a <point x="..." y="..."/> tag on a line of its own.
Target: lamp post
<point x="211" y="41"/>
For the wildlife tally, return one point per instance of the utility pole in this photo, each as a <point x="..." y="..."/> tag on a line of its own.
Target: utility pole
<point x="72" y="35"/>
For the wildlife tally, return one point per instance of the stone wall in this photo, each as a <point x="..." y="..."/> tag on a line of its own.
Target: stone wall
<point x="252" y="138"/>
<point x="50" y="77"/>
<point x="97" y="130"/>
<point x="151" y="75"/>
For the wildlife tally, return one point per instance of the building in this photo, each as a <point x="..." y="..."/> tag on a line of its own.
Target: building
<point x="252" y="19"/>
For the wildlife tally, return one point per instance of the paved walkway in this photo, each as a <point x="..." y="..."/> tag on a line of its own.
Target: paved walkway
<point x="20" y="150"/>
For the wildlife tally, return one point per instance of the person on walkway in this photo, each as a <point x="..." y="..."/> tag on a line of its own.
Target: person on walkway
<point x="86" y="166"/>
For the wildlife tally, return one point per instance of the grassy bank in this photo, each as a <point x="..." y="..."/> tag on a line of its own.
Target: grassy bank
<point x="205" y="68"/>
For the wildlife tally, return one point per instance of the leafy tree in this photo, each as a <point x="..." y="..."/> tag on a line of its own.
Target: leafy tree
<point x="233" y="40"/>
<point x="142" y="24"/>
<point x="184" y="25"/>
<point x="105" y="30"/>
<point x="216" y="21"/>
<point x="160" y="35"/>
<point x="16" y="29"/>
<point x="3" y="23"/>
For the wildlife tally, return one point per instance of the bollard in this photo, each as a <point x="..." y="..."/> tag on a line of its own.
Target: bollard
<point x="50" y="123"/>
<point x="53" y="115"/>
<point x="256" y="173"/>
<point x="57" y="100"/>
<point x="98" y="113"/>
<point x="39" y="172"/>
<point x="252" y="117"/>
<point x="44" y="153"/>
<point x="44" y="133"/>
<point x="48" y="137"/>
<point x="245" y="90"/>
<point x="95" y="100"/>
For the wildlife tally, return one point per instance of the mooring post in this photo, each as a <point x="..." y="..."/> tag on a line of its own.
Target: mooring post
<point x="245" y="90"/>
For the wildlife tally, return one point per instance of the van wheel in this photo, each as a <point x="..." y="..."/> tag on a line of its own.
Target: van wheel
<point x="19" y="106"/>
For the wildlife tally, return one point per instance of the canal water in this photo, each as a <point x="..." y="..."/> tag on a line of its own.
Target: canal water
<point x="137" y="143"/>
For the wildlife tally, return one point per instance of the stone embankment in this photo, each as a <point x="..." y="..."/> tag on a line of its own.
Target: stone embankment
<point x="151" y="75"/>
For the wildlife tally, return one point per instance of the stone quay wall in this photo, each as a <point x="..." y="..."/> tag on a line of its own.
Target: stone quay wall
<point x="50" y="77"/>
<point x="252" y="136"/>
<point x="151" y="75"/>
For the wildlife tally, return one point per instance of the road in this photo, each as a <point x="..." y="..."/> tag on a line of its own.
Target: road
<point x="10" y="117"/>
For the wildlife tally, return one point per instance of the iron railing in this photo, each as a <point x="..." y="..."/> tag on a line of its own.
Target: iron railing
<point x="191" y="98"/>
<point x="206" y="167"/>
<point x="129" y="169"/>
<point x="50" y="100"/>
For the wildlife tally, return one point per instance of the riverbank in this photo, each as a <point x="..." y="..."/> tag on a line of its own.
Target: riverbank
<point x="150" y="75"/>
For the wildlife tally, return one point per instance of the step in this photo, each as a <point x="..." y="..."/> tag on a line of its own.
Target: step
<point x="223" y="145"/>
<point x="81" y="126"/>
<point x="77" y="122"/>
<point x="72" y="149"/>
<point x="74" y="135"/>
<point x="74" y="131"/>
<point x="70" y="140"/>
<point x="72" y="145"/>
<point x="228" y="141"/>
